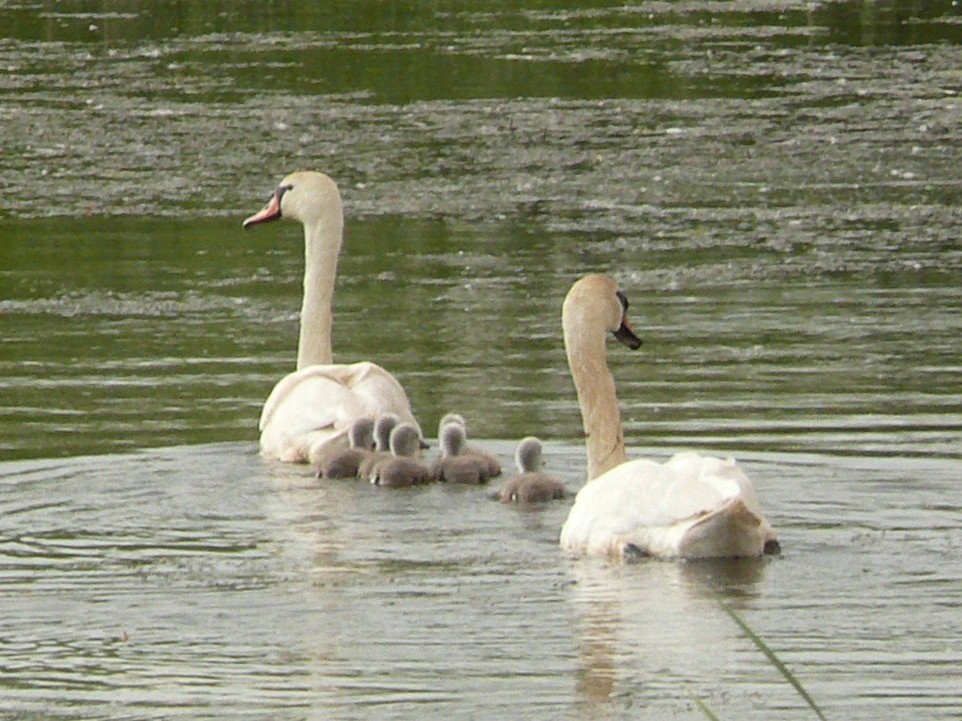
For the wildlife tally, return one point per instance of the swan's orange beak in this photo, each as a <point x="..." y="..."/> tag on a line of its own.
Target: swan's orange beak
<point x="627" y="335"/>
<point x="271" y="211"/>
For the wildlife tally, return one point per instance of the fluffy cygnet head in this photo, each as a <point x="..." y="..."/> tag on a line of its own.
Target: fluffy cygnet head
<point x="452" y="439"/>
<point x="528" y="455"/>
<point x="383" y="427"/>
<point x="405" y="440"/>
<point x="449" y="418"/>
<point x="361" y="434"/>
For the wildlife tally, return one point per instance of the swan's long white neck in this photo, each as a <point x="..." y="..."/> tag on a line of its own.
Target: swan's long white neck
<point x="322" y="243"/>
<point x="600" y="415"/>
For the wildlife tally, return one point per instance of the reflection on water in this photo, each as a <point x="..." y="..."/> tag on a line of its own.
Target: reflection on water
<point x="775" y="186"/>
<point x="647" y="632"/>
<point x="198" y="582"/>
<point x="161" y="334"/>
<point x="780" y="202"/>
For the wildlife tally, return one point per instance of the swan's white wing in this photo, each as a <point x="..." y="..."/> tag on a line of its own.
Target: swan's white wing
<point x="312" y="409"/>
<point x="725" y="475"/>
<point x="653" y="505"/>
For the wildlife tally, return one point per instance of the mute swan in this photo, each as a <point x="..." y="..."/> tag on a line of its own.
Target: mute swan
<point x="690" y="507"/>
<point x="313" y="408"/>
<point x="402" y="470"/>
<point x="531" y="485"/>
<point x="344" y="463"/>
<point x="454" y="465"/>
<point x="491" y="464"/>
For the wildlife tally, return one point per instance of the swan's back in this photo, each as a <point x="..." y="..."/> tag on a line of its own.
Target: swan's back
<point x="690" y="506"/>
<point x="311" y="410"/>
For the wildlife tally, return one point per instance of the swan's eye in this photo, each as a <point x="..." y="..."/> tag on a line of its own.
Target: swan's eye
<point x="281" y="189"/>
<point x="623" y="298"/>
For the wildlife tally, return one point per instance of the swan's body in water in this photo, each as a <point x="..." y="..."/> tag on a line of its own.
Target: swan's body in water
<point x="311" y="410"/>
<point x="383" y="427"/>
<point x="490" y="463"/>
<point x="531" y="484"/>
<point x="344" y="463"/>
<point x="402" y="469"/>
<point x="455" y="465"/>
<point x="691" y="506"/>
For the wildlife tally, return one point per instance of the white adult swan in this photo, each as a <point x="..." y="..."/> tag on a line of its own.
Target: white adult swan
<point x="315" y="406"/>
<point x="689" y="507"/>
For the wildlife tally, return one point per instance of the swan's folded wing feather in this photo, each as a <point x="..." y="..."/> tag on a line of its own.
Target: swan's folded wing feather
<point x="655" y="494"/>
<point x="313" y="408"/>
<point x="317" y="405"/>
<point x="643" y="494"/>
<point x="378" y="391"/>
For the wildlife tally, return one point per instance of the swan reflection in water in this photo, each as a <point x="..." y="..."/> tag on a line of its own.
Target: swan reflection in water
<point x="652" y="634"/>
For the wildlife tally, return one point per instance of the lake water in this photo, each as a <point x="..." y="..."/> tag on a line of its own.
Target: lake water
<point x="775" y="185"/>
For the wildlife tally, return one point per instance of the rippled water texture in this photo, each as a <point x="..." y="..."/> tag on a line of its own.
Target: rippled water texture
<point x="776" y="187"/>
<point x="197" y="583"/>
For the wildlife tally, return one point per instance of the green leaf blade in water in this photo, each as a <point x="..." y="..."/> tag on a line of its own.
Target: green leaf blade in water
<point x="706" y="710"/>
<point x="770" y="655"/>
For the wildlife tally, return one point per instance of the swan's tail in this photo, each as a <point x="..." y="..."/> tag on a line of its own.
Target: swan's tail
<point x="733" y="530"/>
